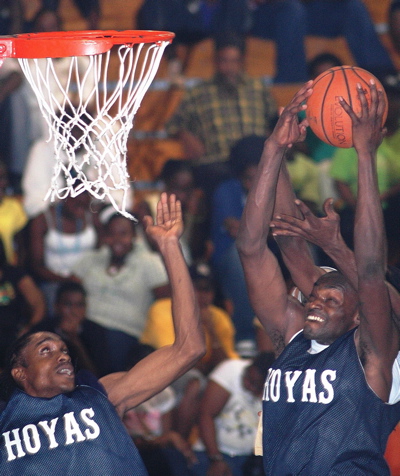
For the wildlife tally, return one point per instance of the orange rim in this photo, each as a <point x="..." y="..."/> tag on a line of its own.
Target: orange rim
<point x="59" y="44"/>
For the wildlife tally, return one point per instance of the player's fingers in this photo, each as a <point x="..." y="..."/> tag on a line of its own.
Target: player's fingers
<point x="164" y="207"/>
<point x="328" y="207"/>
<point x="303" y="208"/>
<point x="363" y="99"/>
<point x="147" y="221"/>
<point x="172" y="207"/>
<point x="347" y="108"/>
<point x="286" y="220"/>
<point x="381" y="102"/>
<point x="178" y="210"/>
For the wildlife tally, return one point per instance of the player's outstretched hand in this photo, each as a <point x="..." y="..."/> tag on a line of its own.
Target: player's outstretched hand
<point x="289" y="129"/>
<point x="368" y="131"/>
<point x="320" y="231"/>
<point x="169" y="223"/>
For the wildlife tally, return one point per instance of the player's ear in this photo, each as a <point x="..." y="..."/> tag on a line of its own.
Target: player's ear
<point x="18" y="374"/>
<point x="357" y="318"/>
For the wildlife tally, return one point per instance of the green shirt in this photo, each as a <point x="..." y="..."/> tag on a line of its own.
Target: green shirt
<point x="344" y="166"/>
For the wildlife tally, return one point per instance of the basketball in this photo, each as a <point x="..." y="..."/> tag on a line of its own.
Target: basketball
<point x="327" y="119"/>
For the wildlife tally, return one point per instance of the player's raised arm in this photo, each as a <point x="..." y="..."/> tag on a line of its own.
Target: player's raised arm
<point x="156" y="371"/>
<point x="266" y="286"/>
<point x="378" y="340"/>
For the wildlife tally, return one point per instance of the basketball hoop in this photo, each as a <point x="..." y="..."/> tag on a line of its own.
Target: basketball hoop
<point x="83" y="112"/>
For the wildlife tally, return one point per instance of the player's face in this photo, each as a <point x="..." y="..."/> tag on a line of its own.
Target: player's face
<point x="331" y="312"/>
<point x="48" y="370"/>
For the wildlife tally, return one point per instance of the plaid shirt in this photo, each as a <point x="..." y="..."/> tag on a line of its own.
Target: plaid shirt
<point x="220" y="114"/>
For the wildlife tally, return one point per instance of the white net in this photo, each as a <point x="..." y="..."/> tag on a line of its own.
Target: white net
<point x="90" y="114"/>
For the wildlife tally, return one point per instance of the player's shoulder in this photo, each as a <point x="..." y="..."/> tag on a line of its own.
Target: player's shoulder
<point x="86" y="380"/>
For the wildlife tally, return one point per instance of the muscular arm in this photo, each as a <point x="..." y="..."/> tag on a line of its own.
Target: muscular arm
<point x="295" y="250"/>
<point x="152" y="374"/>
<point x="378" y="340"/>
<point x="267" y="289"/>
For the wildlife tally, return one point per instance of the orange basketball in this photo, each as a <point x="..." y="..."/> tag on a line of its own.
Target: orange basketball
<point x="328" y="120"/>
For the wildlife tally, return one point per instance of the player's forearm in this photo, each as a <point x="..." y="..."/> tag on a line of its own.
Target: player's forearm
<point x="369" y="235"/>
<point x="188" y="330"/>
<point x="295" y="251"/>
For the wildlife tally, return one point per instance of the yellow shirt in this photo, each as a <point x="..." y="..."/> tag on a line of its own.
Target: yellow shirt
<point x="12" y="219"/>
<point x="159" y="329"/>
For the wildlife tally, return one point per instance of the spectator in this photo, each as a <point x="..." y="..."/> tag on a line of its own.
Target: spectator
<point x="226" y="210"/>
<point x="304" y="177"/>
<point x="191" y="21"/>
<point x="219" y="332"/>
<point x="344" y="172"/>
<point x="12" y="221"/>
<point x="228" y="418"/>
<point x="70" y="323"/>
<point x="394" y="24"/>
<point x="59" y="238"/>
<point x="216" y="322"/>
<point x="177" y="177"/>
<point x="215" y="114"/>
<point x="11" y="17"/>
<point x="11" y="80"/>
<point x="122" y="279"/>
<point x="22" y="304"/>
<point x="163" y="450"/>
<point x="288" y="22"/>
<point x="89" y="9"/>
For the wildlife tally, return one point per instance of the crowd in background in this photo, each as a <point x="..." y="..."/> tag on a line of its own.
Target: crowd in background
<point x="80" y="269"/>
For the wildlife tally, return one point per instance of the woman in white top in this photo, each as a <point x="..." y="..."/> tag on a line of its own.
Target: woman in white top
<point x="59" y="237"/>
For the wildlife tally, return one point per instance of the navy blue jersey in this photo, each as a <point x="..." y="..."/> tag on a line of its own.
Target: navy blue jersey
<point x="71" y="434"/>
<point x="320" y="417"/>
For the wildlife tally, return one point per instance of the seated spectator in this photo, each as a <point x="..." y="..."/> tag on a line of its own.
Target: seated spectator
<point x="22" y="304"/>
<point x="226" y="209"/>
<point x="89" y="10"/>
<point x="122" y="279"/>
<point x="11" y="122"/>
<point x="215" y="114"/>
<point x="288" y="22"/>
<point x="229" y="414"/>
<point x="217" y="324"/>
<point x="304" y="177"/>
<point x="59" y="237"/>
<point x="70" y="323"/>
<point x="219" y="333"/>
<point x="394" y="24"/>
<point x="12" y="221"/>
<point x="345" y="166"/>
<point x="177" y="177"/>
<point x="191" y="21"/>
<point x="163" y="450"/>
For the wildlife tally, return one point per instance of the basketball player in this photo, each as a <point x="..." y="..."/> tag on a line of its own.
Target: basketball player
<point x="54" y="423"/>
<point x="325" y="402"/>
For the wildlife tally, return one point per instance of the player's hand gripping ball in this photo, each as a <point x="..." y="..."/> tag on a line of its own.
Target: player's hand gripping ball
<point x="328" y="120"/>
